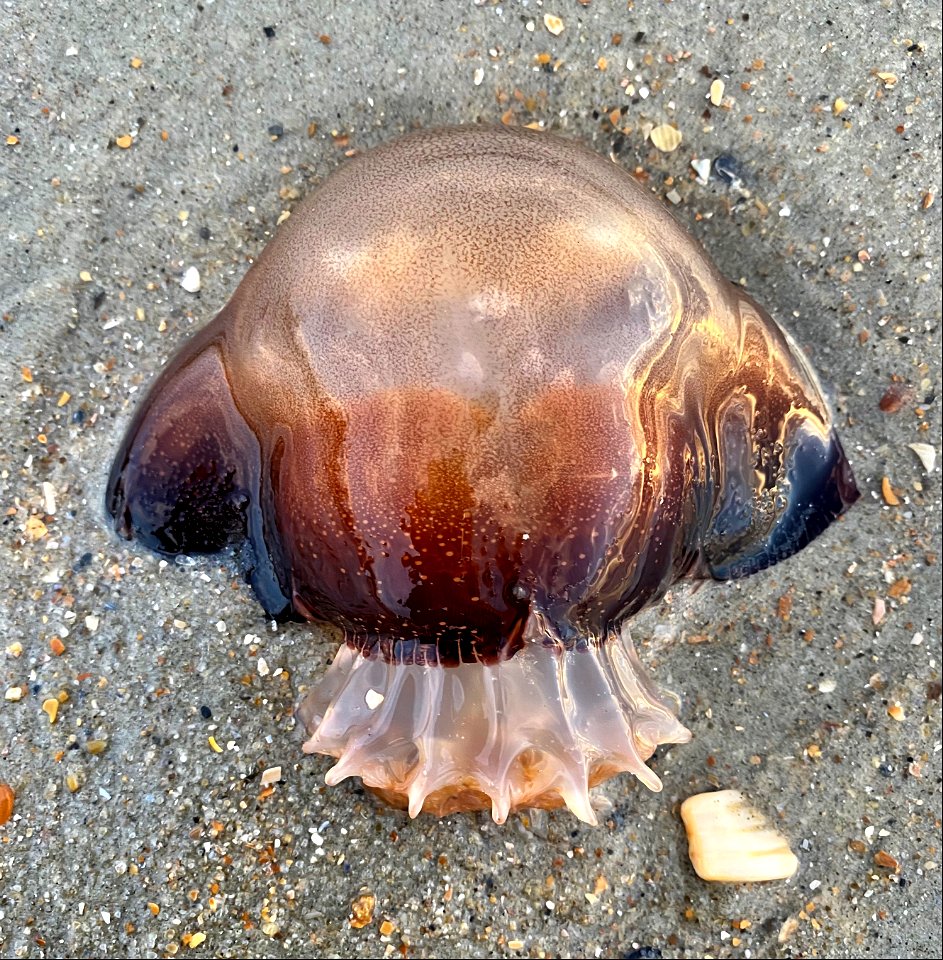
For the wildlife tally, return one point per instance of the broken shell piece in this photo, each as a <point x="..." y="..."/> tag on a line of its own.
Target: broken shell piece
<point x="666" y="137"/>
<point x="924" y="451"/>
<point x="731" y="842"/>
<point x="271" y="775"/>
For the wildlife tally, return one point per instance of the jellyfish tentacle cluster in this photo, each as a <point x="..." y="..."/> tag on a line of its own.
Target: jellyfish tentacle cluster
<point x="478" y="402"/>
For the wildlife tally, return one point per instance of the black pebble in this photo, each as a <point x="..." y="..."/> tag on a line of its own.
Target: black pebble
<point x="269" y="32"/>
<point x="276" y="130"/>
<point x="644" y="953"/>
<point x="206" y="713"/>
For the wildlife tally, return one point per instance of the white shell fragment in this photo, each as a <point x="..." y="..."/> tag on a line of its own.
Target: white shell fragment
<point x="926" y="453"/>
<point x="731" y="842"/>
<point x="49" y="497"/>
<point x="702" y="168"/>
<point x="190" y="280"/>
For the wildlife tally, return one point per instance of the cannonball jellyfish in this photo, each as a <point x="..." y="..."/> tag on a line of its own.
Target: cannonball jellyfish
<point x="479" y="401"/>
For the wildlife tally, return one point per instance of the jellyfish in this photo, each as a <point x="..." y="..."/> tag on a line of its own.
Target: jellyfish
<point x="479" y="401"/>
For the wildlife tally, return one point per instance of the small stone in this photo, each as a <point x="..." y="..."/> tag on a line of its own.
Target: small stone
<point x="361" y="910"/>
<point x="373" y="699"/>
<point x="717" y="92"/>
<point x="13" y="694"/>
<point x="839" y="106"/>
<point x="91" y="622"/>
<point x="196" y="939"/>
<point x="553" y="24"/>
<point x="191" y="280"/>
<point x="896" y="712"/>
<point x="730" y="842"/>
<point x="879" y="612"/>
<point x="666" y="137"/>
<point x="478" y="76"/>
<point x="51" y="708"/>
<point x="124" y="141"/>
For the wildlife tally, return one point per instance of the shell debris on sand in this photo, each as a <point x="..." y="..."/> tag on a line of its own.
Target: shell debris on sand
<point x="731" y="842"/>
<point x="7" y="802"/>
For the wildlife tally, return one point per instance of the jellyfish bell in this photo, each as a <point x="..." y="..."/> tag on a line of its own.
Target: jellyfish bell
<point x="479" y="401"/>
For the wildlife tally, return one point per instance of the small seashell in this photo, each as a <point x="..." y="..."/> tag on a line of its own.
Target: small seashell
<point x="731" y="842"/>
<point x="666" y="137"/>
<point x="926" y="453"/>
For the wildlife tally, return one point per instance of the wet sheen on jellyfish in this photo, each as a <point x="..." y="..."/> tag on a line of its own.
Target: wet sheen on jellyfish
<point x="478" y="402"/>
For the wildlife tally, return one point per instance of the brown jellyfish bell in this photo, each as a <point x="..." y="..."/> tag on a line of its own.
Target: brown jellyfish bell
<point x="479" y="401"/>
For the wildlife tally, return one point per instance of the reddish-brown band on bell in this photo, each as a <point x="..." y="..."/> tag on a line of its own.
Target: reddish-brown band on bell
<point x="481" y="394"/>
